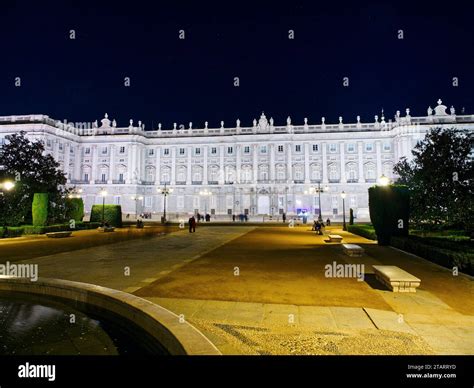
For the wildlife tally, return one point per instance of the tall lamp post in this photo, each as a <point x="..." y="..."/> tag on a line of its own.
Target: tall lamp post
<point x="318" y="190"/>
<point x="103" y="194"/>
<point x="165" y="191"/>
<point x="206" y="194"/>
<point x="343" y="196"/>
<point x="136" y="198"/>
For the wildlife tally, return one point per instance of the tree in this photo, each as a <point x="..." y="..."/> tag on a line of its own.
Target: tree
<point x="34" y="171"/>
<point x="439" y="178"/>
<point x="389" y="208"/>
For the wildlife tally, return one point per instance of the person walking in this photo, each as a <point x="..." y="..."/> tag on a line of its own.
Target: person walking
<point x="283" y="216"/>
<point x="328" y="222"/>
<point x="192" y="224"/>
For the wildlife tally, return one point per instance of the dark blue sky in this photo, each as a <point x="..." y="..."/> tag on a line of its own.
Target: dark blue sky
<point x="193" y="79"/>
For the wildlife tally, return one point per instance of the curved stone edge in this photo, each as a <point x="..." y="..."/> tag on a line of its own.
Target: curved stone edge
<point x="179" y="338"/>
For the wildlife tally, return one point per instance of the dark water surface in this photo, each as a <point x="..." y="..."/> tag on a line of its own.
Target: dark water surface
<point x="36" y="325"/>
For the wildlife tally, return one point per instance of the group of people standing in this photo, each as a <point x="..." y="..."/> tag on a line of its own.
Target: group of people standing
<point x="319" y="225"/>
<point x="242" y="217"/>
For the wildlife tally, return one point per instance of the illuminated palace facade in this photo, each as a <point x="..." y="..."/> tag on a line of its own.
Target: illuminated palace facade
<point x="262" y="170"/>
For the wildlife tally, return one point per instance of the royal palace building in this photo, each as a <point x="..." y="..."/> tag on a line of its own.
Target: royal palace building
<point x="263" y="170"/>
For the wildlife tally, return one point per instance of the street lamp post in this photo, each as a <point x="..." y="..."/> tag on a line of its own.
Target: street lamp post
<point x="343" y="196"/>
<point x="319" y="190"/>
<point x="103" y="193"/>
<point x="165" y="191"/>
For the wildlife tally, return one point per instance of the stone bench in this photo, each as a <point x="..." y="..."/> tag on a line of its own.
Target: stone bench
<point x="335" y="238"/>
<point x="396" y="278"/>
<point x="352" y="250"/>
<point x="59" y="234"/>
<point x="105" y="229"/>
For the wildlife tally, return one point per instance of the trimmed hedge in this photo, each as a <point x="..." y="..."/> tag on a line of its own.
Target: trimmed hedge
<point x="366" y="231"/>
<point x="112" y="214"/>
<point x="18" y="231"/>
<point x="39" y="209"/>
<point x="444" y="253"/>
<point x="389" y="208"/>
<point x="74" y="209"/>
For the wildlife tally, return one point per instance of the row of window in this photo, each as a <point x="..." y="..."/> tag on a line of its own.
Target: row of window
<point x="246" y="174"/>
<point x="263" y="149"/>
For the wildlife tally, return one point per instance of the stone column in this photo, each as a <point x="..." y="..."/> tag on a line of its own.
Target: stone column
<point x="205" y="177"/>
<point x="173" y="166"/>
<point x="289" y="163"/>
<point x="221" y="165"/>
<point x="238" y="162"/>
<point x="158" y="167"/>
<point x="189" y="166"/>
<point x="378" y="151"/>
<point x="360" y="149"/>
<point x="94" y="152"/>
<point x="255" y="163"/>
<point x="343" y="163"/>
<point x="325" y="163"/>
<point x="67" y="157"/>
<point x="56" y="150"/>
<point x="77" y="162"/>
<point x="306" y="163"/>
<point x="272" y="162"/>
<point x="112" y="164"/>
<point x="130" y="164"/>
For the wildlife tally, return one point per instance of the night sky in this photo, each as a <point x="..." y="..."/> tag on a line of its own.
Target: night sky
<point x="175" y="80"/>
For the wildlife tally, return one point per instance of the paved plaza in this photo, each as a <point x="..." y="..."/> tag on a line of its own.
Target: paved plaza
<point x="263" y="290"/>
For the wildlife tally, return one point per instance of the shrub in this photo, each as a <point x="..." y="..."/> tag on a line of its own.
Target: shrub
<point x="389" y="208"/>
<point x="74" y="209"/>
<point x="8" y="232"/>
<point x="442" y="255"/>
<point x="39" y="209"/>
<point x="112" y="214"/>
<point x="366" y="231"/>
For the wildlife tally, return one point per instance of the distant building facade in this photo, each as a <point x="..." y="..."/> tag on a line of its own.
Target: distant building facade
<point x="262" y="170"/>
